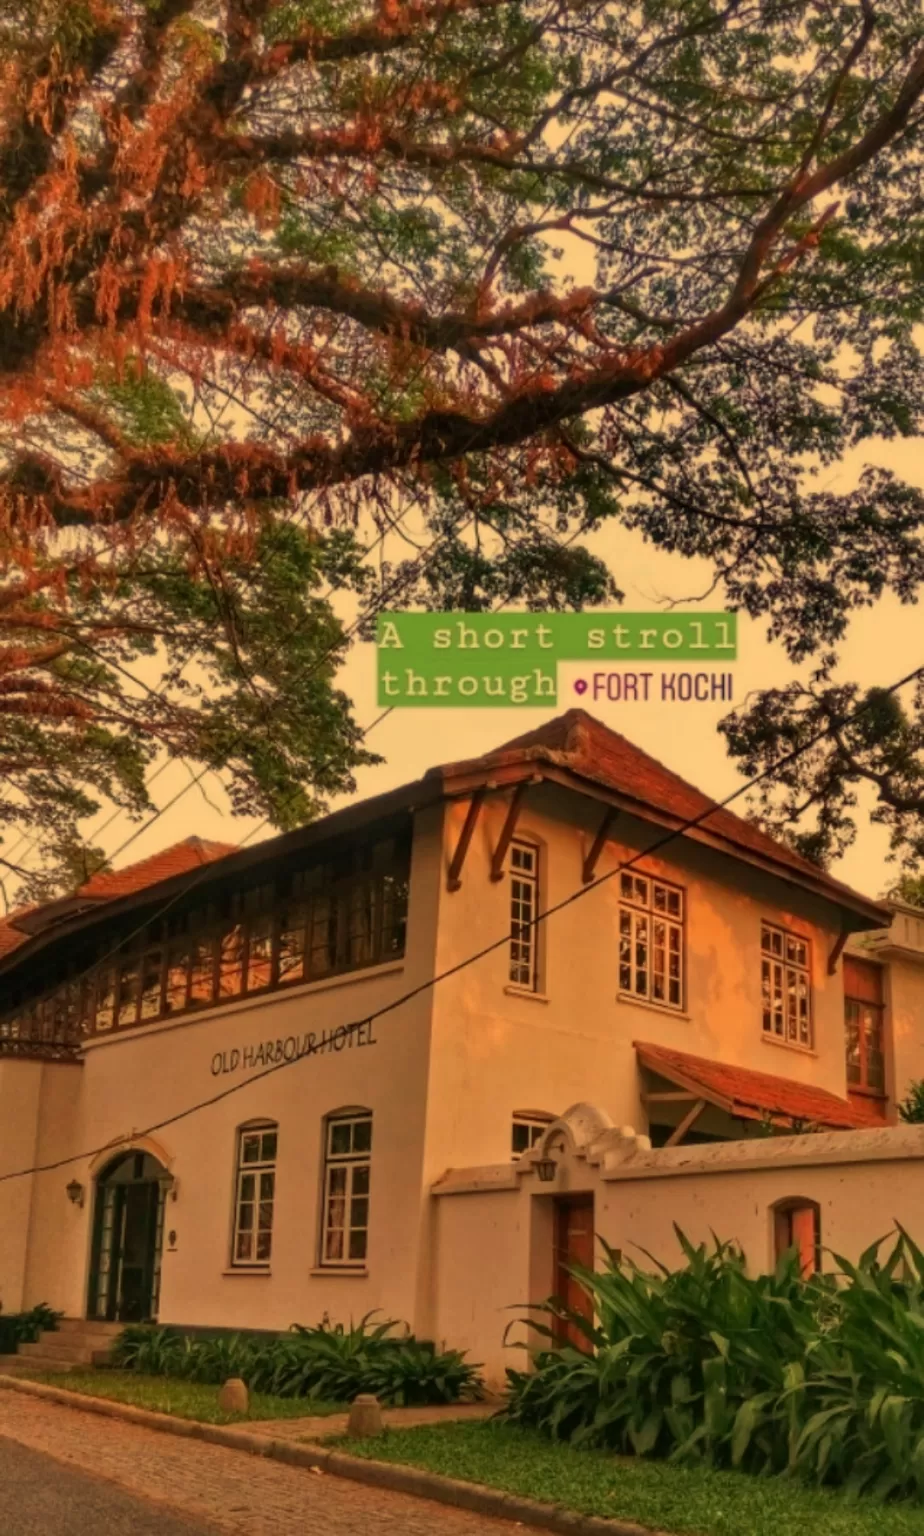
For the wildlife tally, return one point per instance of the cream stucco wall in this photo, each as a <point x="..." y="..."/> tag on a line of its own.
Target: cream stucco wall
<point x="446" y="1073"/>
<point x="496" y="1050"/>
<point x="131" y="1083"/>
<point x="863" y="1181"/>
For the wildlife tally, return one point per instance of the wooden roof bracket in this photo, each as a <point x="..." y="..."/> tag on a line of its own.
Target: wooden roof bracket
<point x="510" y="825"/>
<point x="692" y="1115"/>
<point x="596" y="847"/>
<point x="454" y="874"/>
<point x="838" y="950"/>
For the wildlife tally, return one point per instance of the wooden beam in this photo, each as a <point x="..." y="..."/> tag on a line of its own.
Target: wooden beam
<point x="837" y="951"/>
<point x="596" y="847"/>
<point x="507" y="831"/>
<point x="454" y="876"/>
<point x="688" y="1120"/>
<point x="668" y="1098"/>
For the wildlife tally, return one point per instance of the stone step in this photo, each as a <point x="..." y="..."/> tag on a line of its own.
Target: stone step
<point x="49" y="1346"/>
<point x="89" y="1326"/>
<point x="54" y="1358"/>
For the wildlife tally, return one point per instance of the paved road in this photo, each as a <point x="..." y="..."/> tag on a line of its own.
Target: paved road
<point x="105" y="1471"/>
<point x="39" y="1496"/>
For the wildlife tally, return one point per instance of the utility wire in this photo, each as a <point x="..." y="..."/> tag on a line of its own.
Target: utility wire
<point x="584" y="890"/>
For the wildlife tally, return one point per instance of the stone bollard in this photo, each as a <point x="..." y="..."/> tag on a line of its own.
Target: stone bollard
<point x="365" y="1417"/>
<point x="234" y="1397"/>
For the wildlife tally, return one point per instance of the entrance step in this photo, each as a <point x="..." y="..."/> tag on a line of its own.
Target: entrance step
<point x="49" y="1346"/>
<point x="88" y="1327"/>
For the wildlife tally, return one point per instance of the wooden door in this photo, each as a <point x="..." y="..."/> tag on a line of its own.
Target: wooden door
<point x="574" y="1244"/>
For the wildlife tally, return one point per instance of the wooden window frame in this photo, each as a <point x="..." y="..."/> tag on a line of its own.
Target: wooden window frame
<point x="356" y="1166"/>
<point x="534" y="1121"/>
<point x="383" y="877"/>
<point x="524" y="932"/>
<point x="878" y="1008"/>
<point x="257" y="1168"/>
<point x="636" y="919"/>
<point x="787" y="966"/>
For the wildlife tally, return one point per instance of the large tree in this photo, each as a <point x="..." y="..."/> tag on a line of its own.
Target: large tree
<point x="275" y="272"/>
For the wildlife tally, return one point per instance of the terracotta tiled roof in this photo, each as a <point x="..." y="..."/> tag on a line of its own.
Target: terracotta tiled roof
<point x="10" y="936"/>
<point x="753" y="1095"/>
<point x="179" y="859"/>
<point x="108" y="885"/>
<point x="585" y="746"/>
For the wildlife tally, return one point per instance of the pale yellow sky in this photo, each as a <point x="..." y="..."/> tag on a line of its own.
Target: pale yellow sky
<point x="883" y="642"/>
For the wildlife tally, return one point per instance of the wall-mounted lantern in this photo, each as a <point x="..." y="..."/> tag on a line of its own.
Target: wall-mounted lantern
<point x="75" y="1192"/>
<point x="546" y="1168"/>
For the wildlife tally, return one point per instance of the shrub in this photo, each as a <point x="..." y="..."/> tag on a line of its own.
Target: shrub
<point x="324" y="1363"/>
<point x="820" y="1378"/>
<point x="24" y="1327"/>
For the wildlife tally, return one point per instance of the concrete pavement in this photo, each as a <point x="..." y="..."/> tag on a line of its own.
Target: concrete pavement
<point x="208" y="1487"/>
<point x="40" y="1497"/>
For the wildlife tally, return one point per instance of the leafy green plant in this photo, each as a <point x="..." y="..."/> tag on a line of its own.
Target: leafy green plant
<point x="24" y="1327"/>
<point x="911" y="1109"/>
<point x="820" y="1378"/>
<point x="323" y="1363"/>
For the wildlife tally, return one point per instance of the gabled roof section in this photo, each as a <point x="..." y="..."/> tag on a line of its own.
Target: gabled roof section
<point x="750" y="1095"/>
<point x="584" y="747"/>
<point x="108" y="885"/>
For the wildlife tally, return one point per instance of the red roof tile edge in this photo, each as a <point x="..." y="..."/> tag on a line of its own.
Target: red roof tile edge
<point x="746" y="1092"/>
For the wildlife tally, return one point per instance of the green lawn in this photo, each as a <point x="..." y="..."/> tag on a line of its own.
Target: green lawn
<point x="688" y="1501"/>
<point x="185" y="1399"/>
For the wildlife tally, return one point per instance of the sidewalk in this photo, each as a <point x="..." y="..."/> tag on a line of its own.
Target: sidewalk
<point x="358" y="1496"/>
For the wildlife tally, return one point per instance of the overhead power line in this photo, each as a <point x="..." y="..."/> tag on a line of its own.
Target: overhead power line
<point x="577" y="895"/>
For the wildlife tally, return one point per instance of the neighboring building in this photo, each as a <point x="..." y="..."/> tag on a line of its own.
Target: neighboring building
<point x="698" y="995"/>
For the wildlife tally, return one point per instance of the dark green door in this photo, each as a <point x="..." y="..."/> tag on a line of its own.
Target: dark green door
<point x="127" y="1237"/>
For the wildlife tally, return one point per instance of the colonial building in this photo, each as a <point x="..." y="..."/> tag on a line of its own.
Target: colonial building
<point x="232" y="1081"/>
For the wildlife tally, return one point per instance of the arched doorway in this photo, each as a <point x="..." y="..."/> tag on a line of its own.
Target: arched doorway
<point x="128" y="1233"/>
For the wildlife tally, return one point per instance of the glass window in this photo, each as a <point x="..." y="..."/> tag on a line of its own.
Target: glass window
<point x="255" y="1195"/>
<point x="331" y="918"/>
<point x="526" y="1130"/>
<point x="524" y="910"/>
<point x="864" y="1024"/>
<point x="786" y="989"/>
<point x="651" y="940"/>
<point x="347" y="1172"/>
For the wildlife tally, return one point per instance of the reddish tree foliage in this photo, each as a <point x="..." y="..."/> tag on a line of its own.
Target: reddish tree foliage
<point x="264" y="260"/>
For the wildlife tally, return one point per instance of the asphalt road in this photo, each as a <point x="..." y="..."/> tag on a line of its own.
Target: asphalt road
<point x="40" y="1497"/>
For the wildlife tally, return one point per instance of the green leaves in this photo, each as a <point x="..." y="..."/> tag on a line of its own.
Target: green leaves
<point x="821" y="1379"/>
<point x="330" y="1364"/>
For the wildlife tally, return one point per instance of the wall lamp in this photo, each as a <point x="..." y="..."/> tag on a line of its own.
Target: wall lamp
<point x="75" y="1192"/>
<point x="545" y="1167"/>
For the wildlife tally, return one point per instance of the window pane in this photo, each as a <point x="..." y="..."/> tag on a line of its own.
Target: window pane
<point x="150" y="984"/>
<point x="358" y="1245"/>
<point x="250" y="1148"/>
<point x="359" y="1213"/>
<point x="231" y="963"/>
<point x="248" y="1186"/>
<point x="361" y="1179"/>
<point x="362" y="1135"/>
<point x="264" y="1246"/>
<point x="339" y="1137"/>
<point x="268" y="1146"/>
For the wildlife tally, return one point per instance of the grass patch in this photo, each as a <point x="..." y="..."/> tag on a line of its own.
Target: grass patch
<point x="183" y="1399"/>
<point x="688" y="1501"/>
